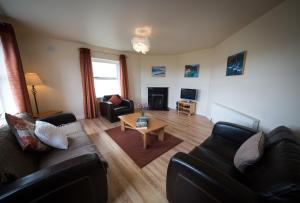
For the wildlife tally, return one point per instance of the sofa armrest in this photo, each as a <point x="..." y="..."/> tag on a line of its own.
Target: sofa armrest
<point x="60" y="119"/>
<point x="232" y="132"/>
<point x="191" y="180"/>
<point x="128" y="103"/>
<point x="81" y="179"/>
<point x="106" y="107"/>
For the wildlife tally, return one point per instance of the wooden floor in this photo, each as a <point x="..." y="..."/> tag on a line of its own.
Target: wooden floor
<point x="126" y="181"/>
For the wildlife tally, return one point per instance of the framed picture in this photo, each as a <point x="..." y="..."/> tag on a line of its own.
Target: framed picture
<point x="158" y="71"/>
<point x="191" y="71"/>
<point x="235" y="64"/>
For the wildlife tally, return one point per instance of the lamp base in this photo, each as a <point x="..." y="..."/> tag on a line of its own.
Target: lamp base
<point x="34" y="92"/>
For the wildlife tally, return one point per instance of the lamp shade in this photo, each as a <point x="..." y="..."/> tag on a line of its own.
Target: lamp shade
<point x="33" y="79"/>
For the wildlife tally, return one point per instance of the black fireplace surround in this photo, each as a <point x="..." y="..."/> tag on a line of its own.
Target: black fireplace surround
<point x="158" y="98"/>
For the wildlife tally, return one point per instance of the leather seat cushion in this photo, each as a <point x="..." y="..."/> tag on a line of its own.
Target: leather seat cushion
<point x="79" y="144"/>
<point x="59" y="156"/>
<point x="121" y="110"/>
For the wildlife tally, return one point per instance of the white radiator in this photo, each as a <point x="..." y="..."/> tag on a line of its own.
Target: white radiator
<point x="222" y="113"/>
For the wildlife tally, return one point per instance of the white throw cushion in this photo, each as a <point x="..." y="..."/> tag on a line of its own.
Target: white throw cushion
<point x="249" y="152"/>
<point x="51" y="135"/>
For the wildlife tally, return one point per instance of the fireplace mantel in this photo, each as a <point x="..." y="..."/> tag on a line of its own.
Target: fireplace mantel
<point x="158" y="98"/>
<point x="158" y="87"/>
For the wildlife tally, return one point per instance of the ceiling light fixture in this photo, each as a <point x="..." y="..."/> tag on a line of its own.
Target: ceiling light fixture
<point x="141" y="44"/>
<point x="143" y="31"/>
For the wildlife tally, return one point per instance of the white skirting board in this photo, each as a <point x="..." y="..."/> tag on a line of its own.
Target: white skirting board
<point x="220" y="112"/>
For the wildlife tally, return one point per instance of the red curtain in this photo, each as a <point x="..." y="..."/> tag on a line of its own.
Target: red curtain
<point x="89" y="96"/>
<point x="14" y="68"/>
<point x="123" y="76"/>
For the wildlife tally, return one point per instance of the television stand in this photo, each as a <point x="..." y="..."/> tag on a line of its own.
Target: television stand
<point x="186" y="107"/>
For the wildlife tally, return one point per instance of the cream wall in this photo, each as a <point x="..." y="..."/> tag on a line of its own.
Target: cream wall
<point x="146" y="62"/>
<point x="57" y="63"/>
<point x="270" y="87"/>
<point x="202" y="57"/>
<point x="175" y="79"/>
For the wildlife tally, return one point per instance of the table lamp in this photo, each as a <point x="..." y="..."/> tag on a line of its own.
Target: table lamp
<point x="32" y="79"/>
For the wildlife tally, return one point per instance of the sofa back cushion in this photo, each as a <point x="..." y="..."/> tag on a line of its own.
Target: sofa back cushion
<point x="14" y="163"/>
<point x="279" y="134"/>
<point x="25" y="116"/>
<point x="276" y="176"/>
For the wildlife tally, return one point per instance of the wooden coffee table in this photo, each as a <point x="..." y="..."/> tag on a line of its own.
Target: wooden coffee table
<point x="155" y="126"/>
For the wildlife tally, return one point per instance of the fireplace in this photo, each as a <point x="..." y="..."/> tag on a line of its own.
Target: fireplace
<point x="158" y="98"/>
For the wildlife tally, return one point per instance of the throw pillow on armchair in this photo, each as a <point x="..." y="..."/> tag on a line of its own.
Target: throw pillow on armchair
<point x="115" y="100"/>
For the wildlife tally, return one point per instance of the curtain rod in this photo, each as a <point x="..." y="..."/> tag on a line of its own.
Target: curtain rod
<point x="106" y="53"/>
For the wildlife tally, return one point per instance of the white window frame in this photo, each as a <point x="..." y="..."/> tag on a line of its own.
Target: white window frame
<point x="117" y="63"/>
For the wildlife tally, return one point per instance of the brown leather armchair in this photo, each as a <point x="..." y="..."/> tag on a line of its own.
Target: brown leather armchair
<point x="111" y="111"/>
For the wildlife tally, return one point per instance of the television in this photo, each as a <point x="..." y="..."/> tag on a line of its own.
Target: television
<point x="189" y="94"/>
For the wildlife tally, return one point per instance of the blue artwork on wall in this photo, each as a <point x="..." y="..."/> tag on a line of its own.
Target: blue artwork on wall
<point x="235" y="64"/>
<point x="158" y="71"/>
<point x="191" y="71"/>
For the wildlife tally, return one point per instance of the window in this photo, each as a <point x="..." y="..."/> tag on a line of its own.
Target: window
<point x="7" y="103"/>
<point x="106" y="77"/>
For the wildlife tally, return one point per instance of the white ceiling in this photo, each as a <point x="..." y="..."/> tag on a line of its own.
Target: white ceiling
<point x="177" y="25"/>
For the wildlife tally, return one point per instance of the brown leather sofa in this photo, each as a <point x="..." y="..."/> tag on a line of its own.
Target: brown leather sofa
<point x="207" y="174"/>
<point x="77" y="174"/>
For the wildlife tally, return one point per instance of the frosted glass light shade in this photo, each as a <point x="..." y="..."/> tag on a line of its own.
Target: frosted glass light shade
<point x="141" y="44"/>
<point x="33" y="79"/>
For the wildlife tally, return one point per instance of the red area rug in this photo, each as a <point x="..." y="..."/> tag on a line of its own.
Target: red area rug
<point x="131" y="142"/>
